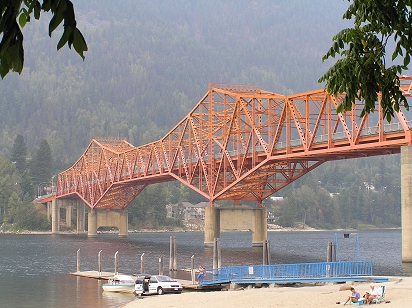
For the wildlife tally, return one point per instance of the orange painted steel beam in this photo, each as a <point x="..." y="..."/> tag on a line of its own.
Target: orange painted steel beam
<point x="238" y="143"/>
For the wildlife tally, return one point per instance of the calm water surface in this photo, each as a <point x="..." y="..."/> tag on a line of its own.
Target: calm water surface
<point x="34" y="269"/>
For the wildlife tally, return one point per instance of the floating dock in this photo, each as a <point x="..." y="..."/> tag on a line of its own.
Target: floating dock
<point x="186" y="284"/>
<point x="95" y="275"/>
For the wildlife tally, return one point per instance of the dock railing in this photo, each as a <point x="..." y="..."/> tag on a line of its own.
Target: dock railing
<point x="300" y="272"/>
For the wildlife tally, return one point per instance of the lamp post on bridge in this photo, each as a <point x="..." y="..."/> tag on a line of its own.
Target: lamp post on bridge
<point x="52" y="190"/>
<point x="40" y="188"/>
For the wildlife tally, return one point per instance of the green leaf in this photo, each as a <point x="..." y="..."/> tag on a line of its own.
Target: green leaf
<point x="340" y="42"/>
<point x="406" y="60"/>
<point x="46" y="6"/>
<point x="70" y="40"/>
<point x="55" y="22"/>
<point x="64" y="38"/>
<point x="335" y="47"/>
<point x="79" y="43"/>
<point x="37" y="10"/>
<point x="57" y="17"/>
<point x="22" y="19"/>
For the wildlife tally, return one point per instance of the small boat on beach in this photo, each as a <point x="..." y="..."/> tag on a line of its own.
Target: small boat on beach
<point x="120" y="283"/>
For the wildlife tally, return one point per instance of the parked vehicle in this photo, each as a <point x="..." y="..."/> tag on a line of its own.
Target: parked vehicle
<point x="120" y="283"/>
<point x="156" y="284"/>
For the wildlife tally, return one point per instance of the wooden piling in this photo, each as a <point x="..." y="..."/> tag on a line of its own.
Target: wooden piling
<point x="172" y="259"/>
<point x="116" y="263"/>
<point x="219" y="254"/>
<point x="216" y="253"/>
<point x="161" y="265"/>
<point x="142" y="263"/>
<point x="99" y="263"/>
<point x="329" y="252"/>
<point x="78" y="260"/>
<point x="192" y="269"/>
<point x="265" y="253"/>
<point x="174" y="254"/>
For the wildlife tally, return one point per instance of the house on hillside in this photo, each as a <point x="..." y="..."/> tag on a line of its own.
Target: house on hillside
<point x="186" y="210"/>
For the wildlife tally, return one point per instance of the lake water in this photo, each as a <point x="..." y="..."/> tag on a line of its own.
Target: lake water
<point x="34" y="269"/>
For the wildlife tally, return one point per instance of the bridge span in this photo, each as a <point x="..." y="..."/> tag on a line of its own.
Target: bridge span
<point x="238" y="143"/>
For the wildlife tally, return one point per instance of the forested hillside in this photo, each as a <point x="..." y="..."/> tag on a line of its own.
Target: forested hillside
<point x="150" y="62"/>
<point x="357" y="193"/>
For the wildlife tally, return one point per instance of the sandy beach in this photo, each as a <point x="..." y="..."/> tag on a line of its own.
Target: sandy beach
<point x="398" y="294"/>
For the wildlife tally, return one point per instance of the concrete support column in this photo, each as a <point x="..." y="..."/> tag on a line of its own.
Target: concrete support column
<point x="69" y="210"/>
<point x="260" y="226"/>
<point x="92" y="224"/>
<point x="212" y="225"/>
<point x="49" y="211"/>
<point x="55" y="216"/>
<point x="124" y="224"/>
<point x="406" y="193"/>
<point x="80" y="221"/>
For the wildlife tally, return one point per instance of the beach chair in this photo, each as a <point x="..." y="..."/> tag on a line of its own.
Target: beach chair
<point x="381" y="296"/>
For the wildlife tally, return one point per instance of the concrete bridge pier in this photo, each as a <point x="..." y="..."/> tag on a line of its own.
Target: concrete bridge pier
<point x="236" y="217"/>
<point x="92" y="223"/>
<point x="55" y="213"/>
<point x="406" y="193"/>
<point x="259" y="227"/>
<point x="54" y="209"/>
<point x="69" y="211"/>
<point x="49" y="210"/>
<point x="80" y="221"/>
<point x="107" y="218"/>
<point x="212" y="225"/>
<point x="124" y="224"/>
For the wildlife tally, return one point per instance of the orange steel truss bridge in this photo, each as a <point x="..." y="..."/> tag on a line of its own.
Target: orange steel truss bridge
<point x="238" y="143"/>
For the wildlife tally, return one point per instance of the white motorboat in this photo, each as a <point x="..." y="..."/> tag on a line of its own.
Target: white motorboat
<point x="120" y="283"/>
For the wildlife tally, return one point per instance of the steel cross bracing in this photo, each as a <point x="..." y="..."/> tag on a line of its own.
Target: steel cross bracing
<point x="238" y="143"/>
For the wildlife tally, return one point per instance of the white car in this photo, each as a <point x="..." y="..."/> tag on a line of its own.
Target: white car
<point x="156" y="284"/>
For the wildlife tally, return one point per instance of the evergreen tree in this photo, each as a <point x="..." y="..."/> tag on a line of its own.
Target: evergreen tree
<point x="19" y="154"/>
<point x="26" y="185"/>
<point x="8" y="187"/>
<point x="41" y="164"/>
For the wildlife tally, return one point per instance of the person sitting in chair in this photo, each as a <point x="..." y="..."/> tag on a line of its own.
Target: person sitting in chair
<point x="372" y="294"/>
<point x="354" y="297"/>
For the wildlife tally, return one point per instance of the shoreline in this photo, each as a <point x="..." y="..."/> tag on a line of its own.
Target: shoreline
<point x="196" y="231"/>
<point x="398" y="294"/>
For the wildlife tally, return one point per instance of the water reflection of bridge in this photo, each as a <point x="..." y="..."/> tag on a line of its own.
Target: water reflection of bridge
<point x="238" y="143"/>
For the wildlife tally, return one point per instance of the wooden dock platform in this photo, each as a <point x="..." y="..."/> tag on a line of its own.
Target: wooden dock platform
<point x="186" y="284"/>
<point x="95" y="275"/>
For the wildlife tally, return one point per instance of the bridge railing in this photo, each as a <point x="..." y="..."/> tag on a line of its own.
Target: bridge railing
<point x="290" y="272"/>
<point x="366" y="131"/>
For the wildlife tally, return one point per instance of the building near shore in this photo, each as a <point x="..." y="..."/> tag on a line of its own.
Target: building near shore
<point x="187" y="211"/>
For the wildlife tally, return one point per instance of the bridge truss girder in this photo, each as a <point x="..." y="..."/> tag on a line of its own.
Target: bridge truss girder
<point x="238" y="143"/>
